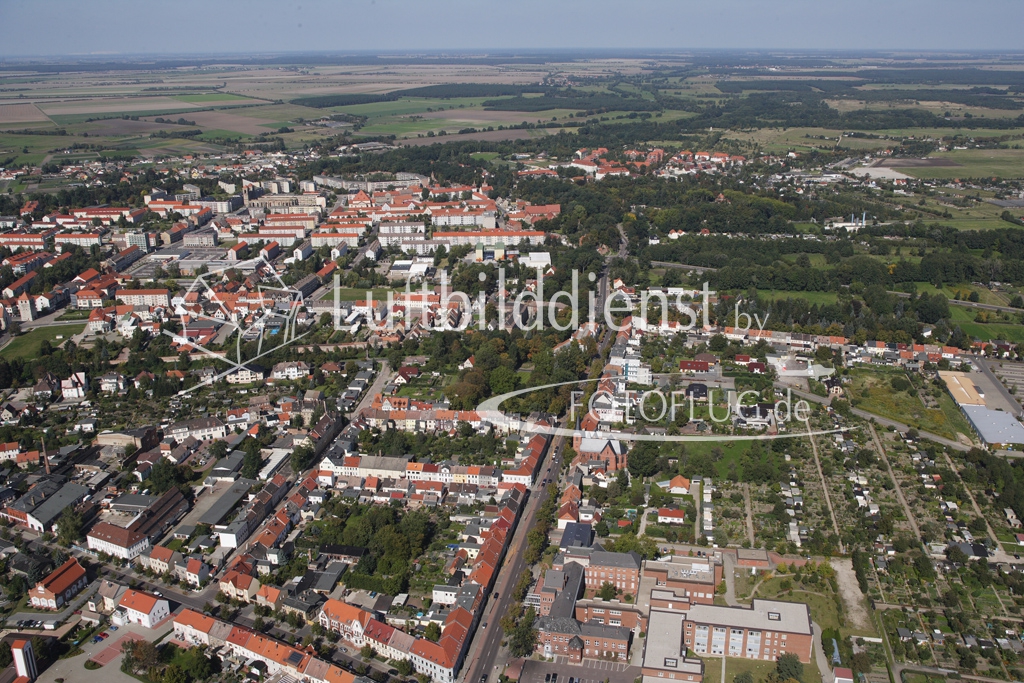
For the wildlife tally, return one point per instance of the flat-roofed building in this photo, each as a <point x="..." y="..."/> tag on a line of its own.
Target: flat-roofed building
<point x="665" y="656"/>
<point x="689" y="577"/>
<point x="962" y="388"/>
<point x="766" y="630"/>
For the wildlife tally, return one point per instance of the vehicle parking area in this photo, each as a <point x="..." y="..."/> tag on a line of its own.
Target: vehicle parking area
<point x="590" y="671"/>
<point x="110" y="653"/>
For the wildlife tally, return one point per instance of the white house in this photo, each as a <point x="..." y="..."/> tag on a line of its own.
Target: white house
<point x="75" y="386"/>
<point x="138" y="607"/>
<point x="116" y="541"/>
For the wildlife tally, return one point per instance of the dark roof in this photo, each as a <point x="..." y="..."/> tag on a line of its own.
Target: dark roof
<point x="576" y="535"/>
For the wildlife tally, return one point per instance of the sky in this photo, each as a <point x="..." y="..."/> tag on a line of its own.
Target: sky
<point x="33" y="28"/>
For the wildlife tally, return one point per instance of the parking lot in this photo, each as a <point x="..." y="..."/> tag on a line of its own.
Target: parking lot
<point x="590" y="671"/>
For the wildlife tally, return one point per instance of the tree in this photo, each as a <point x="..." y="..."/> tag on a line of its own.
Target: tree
<point x="251" y="464"/>
<point x="404" y="667"/>
<point x="745" y="677"/>
<point x="432" y="632"/>
<point x="601" y="529"/>
<point x="366" y="652"/>
<point x="789" y="666"/>
<point x="503" y="380"/>
<point x="643" y="459"/>
<point x="524" y="636"/>
<point x="5" y="655"/>
<point x="607" y="591"/>
<point x="174" y="674"/>
<point x="69" y="528"/>
<point x="861" y="663"/>
<point x="139" y="655"/>
<point x="218" y="449"/>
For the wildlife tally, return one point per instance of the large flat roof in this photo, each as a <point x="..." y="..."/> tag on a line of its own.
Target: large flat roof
<point x="667" y="652"/>
<point x="765" y="615"/>
<point x="961" y="387"/>
<point x="994" y="426"/>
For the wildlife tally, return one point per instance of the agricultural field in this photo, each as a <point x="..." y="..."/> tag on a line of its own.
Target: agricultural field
<point x="973" y="163"/>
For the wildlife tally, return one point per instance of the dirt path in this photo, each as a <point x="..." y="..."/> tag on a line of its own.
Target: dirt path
<point x="856" y="610"/>
<point x="824" y="487"/>
<point x="896" y="484"/>
<point x="750" y="516"/>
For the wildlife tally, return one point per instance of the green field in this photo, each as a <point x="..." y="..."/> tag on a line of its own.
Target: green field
<point x="211" y="97"/>
<point x="871" y="391"/>
<point x="27" y="345"/>
<point x="974" y="163"/>
<point x="221" y="133"/>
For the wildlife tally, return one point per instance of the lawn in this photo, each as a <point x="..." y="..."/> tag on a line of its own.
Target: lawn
<point x="27" y="345"/>
<point x="758" y="669"/>
<point x="871" y="391"/>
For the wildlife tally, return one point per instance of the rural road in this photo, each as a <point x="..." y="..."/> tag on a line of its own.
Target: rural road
<point x="969" y="304"/>
<point x="682" y="266"/>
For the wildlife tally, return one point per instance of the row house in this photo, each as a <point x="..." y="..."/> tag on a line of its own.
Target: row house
<point x="194" y="629"/>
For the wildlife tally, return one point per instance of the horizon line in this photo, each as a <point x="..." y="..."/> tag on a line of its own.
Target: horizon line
<point x="470" y="52"/>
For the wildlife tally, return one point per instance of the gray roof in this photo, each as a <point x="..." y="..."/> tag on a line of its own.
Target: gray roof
<point x="564" y="604"/>
<point x="765" y="615"/>
<point x="227" y="502"/>
<point x="132" y="502"/>
<point x="604" y="558"/>
<point x="50" y="508"/>
<point x="576" y="534"/>
<point x="994" y="426"/>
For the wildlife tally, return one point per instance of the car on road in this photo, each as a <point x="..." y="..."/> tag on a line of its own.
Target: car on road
<point x="554" y="678"/>
<point x="113" y="628"/>
<point x="485" y="625"/>
<point x="392" y="672"/>
<point x="483" y="679"/>
<point x="547" y="677"/>
<point x="497" y="595"/>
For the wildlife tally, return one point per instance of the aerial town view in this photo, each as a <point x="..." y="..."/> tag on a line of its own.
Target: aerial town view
<point x="393" y="342"/>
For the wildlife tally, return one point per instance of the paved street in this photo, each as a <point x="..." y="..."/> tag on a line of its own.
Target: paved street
<point x="483" y="653"/>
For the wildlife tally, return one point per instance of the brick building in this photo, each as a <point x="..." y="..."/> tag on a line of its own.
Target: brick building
<point x="689" y="577"/>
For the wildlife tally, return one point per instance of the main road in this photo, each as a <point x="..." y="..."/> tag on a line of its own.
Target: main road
<point x="483" y="653"/>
